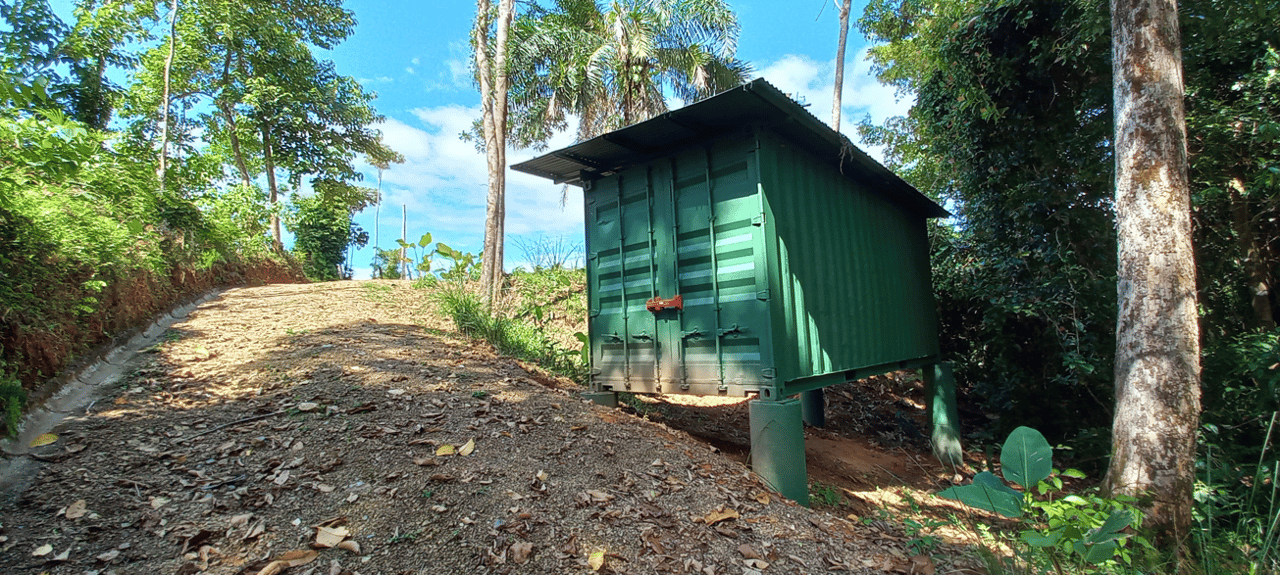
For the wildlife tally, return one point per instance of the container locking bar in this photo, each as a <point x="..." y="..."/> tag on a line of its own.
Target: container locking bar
<point x="657" y="304"/>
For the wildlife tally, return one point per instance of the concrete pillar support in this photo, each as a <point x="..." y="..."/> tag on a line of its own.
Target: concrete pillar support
<point x="777" y="447"/>
<point x="944" y="417"/>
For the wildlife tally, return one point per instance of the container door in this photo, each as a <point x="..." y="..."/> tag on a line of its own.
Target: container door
<point x="721" y="338"/>
<point x="625" y="343"/>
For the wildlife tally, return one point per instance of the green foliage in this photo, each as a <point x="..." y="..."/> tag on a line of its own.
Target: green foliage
<point x="569" y="59"/>
<point x="322" y="232"/>
<point x="1237" y="511"/>
<point x="386" y="264"/>
<point x="465" y="265"/>
<point x="510" y="336"/>
<point x="1085" y="527"/>
<point x="13" y="398"/>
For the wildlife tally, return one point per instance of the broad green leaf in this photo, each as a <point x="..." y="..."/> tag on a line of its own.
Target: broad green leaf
<point x="989" y="493"/>
<point x="1035" y="539"/>
<point x="1096" y="553"/>
<point x="1075" y="500"/>
<point x="425" y="240"/>
<point x="1027" y="459"/>
<point x="1110" y="529"/>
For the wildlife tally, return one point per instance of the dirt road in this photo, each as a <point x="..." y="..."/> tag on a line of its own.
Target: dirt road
<point x="344" y="428"/>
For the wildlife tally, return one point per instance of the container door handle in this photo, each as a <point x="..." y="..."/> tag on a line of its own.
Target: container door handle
<point x="733" y="329"/>
<point x="642" y="336"/>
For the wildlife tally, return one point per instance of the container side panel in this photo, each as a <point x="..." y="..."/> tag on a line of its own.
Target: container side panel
<point x="851" y="267"/>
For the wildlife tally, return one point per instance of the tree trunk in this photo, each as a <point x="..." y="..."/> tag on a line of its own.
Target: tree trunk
<point x="1157" y="331"/>
<point x="236" y="153"/>
<point x="229" y="113"/>
<point x="162" y="166"/>
<point x="496" y="227"/>
<point x="1253" y="257"/>
<point x="490" y="74"/>
<point x="270" y="166"/>
<point x="839" y="89"/>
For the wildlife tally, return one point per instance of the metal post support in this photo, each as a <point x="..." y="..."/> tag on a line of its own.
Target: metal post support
<point x="944" y="417"/>
<point x="777" y="447"/>
<point x="605" y="398"/>
<point x="813" y="407"/>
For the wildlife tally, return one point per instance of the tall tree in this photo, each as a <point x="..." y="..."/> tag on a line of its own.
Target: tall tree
<point x="612" y="65"/>
<point x="1157" y="333"/>
<point x="845" y="7"/>
<point x="164" y="93"/>
<point x="493" y="80"/>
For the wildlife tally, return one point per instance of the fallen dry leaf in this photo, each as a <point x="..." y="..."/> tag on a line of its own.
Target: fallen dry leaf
<point x="425" y="461"/>
<point x="748" y="552"/>
<point x="42" y="550"/>
<point x="922" y="565"/>
<point x="596" y="560"/>
<point x="77" y="510"/>
<point x="446" y="450"/>
<point x="756" y="564"/>
<point x="330" y="536"/>
<point x="62" y="556"/>
<point x="43" y="440"/>
<point x="308" y="406"/>
<point x="350" y="545"/>
<point x="719" y="515"/>
<point x="763" y="498"/>
<point x="467" y="448"/>
<point x="109" y="556"/>
<point x="520" y="551"/>
<point x="290" y="559"/>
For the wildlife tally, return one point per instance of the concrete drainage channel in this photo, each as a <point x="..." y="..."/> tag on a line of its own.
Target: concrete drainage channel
<point x="78" y="393"/>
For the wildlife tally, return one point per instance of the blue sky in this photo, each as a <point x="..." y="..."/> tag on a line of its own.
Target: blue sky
<point x="415" y="56"/>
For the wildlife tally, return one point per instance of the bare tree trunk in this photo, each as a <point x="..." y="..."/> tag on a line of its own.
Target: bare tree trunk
<point x="162" y="167"/>
<point x="839" y="89"/>
<point x="1157" y="331"/>
<point x="1255" y="266"/>
<point x="493" y="105"/>
<point x="269" y="165"/>
<point x="497" y="210"/>
<point x="229" y="114"/>
<point x="236" y="153"/>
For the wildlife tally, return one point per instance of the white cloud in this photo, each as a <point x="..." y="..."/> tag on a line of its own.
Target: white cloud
<point x="814" y="83"/>
<point x="415" y="61"/>
<point x="443" y="185"/>
<point x="409" y="70"/>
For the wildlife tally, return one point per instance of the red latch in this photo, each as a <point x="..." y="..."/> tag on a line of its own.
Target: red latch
<point x="658" y="304"/>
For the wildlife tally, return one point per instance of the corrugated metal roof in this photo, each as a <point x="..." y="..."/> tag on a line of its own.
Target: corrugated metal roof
<point x="756" y="102"/>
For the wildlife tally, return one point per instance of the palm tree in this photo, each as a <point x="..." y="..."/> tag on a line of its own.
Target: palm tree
<point x="614" y="64"/>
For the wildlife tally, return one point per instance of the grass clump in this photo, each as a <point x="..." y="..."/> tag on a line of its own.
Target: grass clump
<point x="511" y="336"/>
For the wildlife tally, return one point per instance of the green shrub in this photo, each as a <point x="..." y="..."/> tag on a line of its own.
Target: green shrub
<point x="511" y="336"/>
<point x="1081" y="530"/>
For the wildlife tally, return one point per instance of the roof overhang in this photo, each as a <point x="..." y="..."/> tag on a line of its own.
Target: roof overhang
<point x="754" y="103"/>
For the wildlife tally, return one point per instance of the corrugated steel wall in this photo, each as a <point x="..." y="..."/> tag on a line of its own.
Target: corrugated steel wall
<point x="786" y="268"/>
<point x="849" y="270"/>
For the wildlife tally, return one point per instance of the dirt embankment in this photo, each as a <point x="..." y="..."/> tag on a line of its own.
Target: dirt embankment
<point x="344" y="428"/>
<point x="36" y="348"/>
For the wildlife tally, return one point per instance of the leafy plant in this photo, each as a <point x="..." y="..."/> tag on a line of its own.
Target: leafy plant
<point x="13" y="398"/>
<point x="465" y="265"/>
<point x="1091" y="528"/>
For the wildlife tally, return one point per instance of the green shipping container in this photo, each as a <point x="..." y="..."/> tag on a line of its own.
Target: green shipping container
<point x="739" y="246"/>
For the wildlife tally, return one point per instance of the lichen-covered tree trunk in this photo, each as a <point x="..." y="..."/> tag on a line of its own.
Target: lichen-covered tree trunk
<point x="1157" y="334"/>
